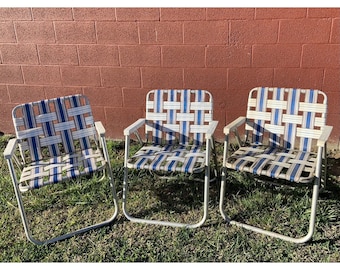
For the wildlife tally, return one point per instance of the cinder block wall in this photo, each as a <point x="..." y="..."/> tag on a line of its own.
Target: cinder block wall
<point x="115" y="55"/>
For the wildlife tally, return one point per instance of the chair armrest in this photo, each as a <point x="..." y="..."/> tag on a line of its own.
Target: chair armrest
<point x="211" y="129"/>
<point x="10" y="148"/>
<point x="134" y="127"/>
<point x="324" y="136"/>
<point x="233" y="125"/>
<point x="100" y="128"/>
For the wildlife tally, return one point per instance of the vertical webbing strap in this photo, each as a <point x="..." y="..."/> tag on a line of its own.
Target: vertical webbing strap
<point x="48" y="127"/>
<point x="261" y="102"/>
<point x="65" y="131"/>
<point x="276" y="117"/>
<point x="199" y="117"/>
<point x="308" y="120"/>
<point x="158" y="108"/>
<point x="33" y="141"/>
<point x="292" y="109"/>
<point x="171" y="117"/>
<point x="184" y="124"/>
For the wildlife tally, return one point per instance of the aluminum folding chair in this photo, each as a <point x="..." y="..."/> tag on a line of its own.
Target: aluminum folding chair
<point x="283" y="128"/>
<point x="56" y="140"/>
<point x="180" y="124"/>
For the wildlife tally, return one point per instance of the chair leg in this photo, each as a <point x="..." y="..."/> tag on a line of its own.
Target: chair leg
<point x="307" y="237"/>
<point x="67" y="235"/>
<point x="161" y="222"/>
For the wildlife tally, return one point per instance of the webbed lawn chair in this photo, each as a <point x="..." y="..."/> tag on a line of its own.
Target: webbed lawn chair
<point x="56" y="140"/>
<point x="285" y="138"/>
<point x="180" y="124"/>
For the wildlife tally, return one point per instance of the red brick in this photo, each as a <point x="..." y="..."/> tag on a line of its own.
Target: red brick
<point x="6" y="126"/>
<point x="134" y="97"/>
<point x="220" y="116"/>
<point x="124" y="77"/>
<point x="4" y="98"/>
<point x="230" y="13"/>
<point x="107" y="97"/>
<point x="15" y="14"/>
<point x="183" y="56"/>
<point x="228" y="56"/>
<point x="58" y="54"/>
<point x="206" y="32"/>
<point x="6" y="123"/>
<point x="75" y="32"/>
<point x="98" y="55"/>
<point x="35" y="32"/>
<point x="276" y="55"/>
<point x="227" y="98"/>
<point x="280" y="13"/>
<point x="19" y="54"/>
<point x="59" y="91"/>
<point x="333" y="120"/>
<point x="304" y="31"/>
<point x="80" y="76"/>
<point x="333" y="98"/>
<point x="140" y="56"/>
<point x="243" y="79"/>
<point x="137" y="14"/>
<point x="87" y="14"/>
<point x="41" y="75"/>
<point x="323" y="12"/>
<point x="117" y="33"/>
<point x="182" y="14"/>
<point x="23" y="93"/>
<point x="99" y="115"/>
<point x="205" y="78"/>
<point x="331" y="80"/>
<point x="255" y="31"/>
<point x="49" y="14"/>
<point x="321" y="55"/>
<point x="7" y="32"/>
<point x="10" y="74"/>
<point x="298" y="77"/>
<point x="117" y="119"/>
<point x="232" y="115"/>
<point x="156" y="78"/>
<point x="335" y="34"/>
<point x="161" y="32"/>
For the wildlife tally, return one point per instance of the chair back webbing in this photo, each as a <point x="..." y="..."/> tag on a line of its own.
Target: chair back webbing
<point x="178" y="116"/>
<point x="54" y="127"/>
<point x="289" y="117"/>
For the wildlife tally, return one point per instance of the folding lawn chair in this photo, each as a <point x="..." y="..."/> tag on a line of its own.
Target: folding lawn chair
<point x="56" y="140"/>
<point x="180" y="124"/>
<point x="283" y="128"/>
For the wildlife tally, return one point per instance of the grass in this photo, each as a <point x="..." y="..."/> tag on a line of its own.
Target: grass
<point x="285" y="210"/>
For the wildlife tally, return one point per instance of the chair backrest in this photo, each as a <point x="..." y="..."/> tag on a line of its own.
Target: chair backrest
<point x="287" y="117"/>
<point x="178" y="116"/>
<point x="54" y="127"/>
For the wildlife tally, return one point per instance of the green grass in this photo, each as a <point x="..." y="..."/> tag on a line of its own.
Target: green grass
<point x="284" y="210"/>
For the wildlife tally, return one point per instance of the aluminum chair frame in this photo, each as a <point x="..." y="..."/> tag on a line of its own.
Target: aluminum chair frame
<point x="41" y="127"/>
<point x="166" y="118"/>
<point x="294" y="126"/>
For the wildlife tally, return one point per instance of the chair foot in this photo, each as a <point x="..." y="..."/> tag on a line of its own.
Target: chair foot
<point x="272" y="234"/>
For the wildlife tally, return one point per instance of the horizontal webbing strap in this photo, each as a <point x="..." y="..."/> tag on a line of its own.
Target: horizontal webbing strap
<point x="175" y="158"/>
<point x="292" y="165"/>
<point x="61" y="168"/>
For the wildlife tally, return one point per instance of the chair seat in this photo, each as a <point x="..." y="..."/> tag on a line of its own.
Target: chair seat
<point x="60" y="168"/>
<point x="274" y="162"/>
<point x="169" y="158"/>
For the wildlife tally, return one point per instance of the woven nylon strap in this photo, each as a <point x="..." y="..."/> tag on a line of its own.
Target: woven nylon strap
<point x="289" y="117"/>
<point x="181" y="115"/>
